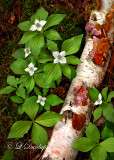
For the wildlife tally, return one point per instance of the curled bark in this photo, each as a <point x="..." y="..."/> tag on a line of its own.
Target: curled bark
<point x="77" y="108"/>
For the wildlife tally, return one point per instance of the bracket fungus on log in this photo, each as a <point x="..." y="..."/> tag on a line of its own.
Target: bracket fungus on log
<point x="78" y="106"/>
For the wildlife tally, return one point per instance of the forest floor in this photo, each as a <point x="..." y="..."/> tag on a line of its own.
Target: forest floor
<point x="12" y="13"/>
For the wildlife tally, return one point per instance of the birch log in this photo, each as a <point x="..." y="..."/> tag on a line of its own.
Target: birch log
<point x="77" y="117"/>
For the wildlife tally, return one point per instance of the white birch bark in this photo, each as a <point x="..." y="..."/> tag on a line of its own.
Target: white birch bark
<point x="59" y="147"/>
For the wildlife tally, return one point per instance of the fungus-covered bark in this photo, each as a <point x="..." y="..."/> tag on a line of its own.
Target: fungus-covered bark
<point x="77" y="108"/>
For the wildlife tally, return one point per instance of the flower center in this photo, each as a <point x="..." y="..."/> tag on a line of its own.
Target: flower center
<point x="31" y="68"/>
<point x="98" y="100"/>
<point x="38" y="25"/>
<point x="41" y="100"/>
<point x="59" y="56"/>
<point x="27" y="50"/>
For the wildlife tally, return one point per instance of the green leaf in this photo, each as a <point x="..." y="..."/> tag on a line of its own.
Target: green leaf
<point x="20" y="109"/>
<point x="30" y="84"/>
<point x="45" y="90"/>
<point x="41" y="14"/>
<point x="7" y="90"/>
<point x="19" y="54"/>
<point x="97" y="113"/>
<point x="39" y="135"/>
<point x="42" y="82"/>
<point x="108" y="112"/>
<point x="104" y="93"/>
<point x="25" y="26"/>
<point x="37" y="91"/>
<point x="8" y="155"/>
<point x="18" y="67"/>
<point x="110" y="126"/>
<point x="66" y="70"/>
<point x="72" y="45"/>
<point x="73" y="72"/>
<point x="48" y="118"/>
<point x="52" y="72"/>
<point x="106" y="133"/>
<point x="98" y="153"/>
<point x="52" y="35"/>
<point x="16" y="99"/>
<point x="73" y="60"/>
<point x="43" y="58"/>
<point x="19" y="128"/>
<point x="93" y="133"/>
<point x="47" y="107"/>
<point x="35" y="44"/>
<point x="40" y="109"/>
<point x="30" y="107"/>
<point x="27" y="36"/>
<point x="84" y="144"/>
<point x="54" y="19"/>
<point x="52" y="46"/>
<point x="22" y="79"/>
<point x="21" y="92"/>
<point x="93" y="92"/>
<point x="54" y="100"/>
<point x="108" y="144"/>
<point x="111" y="95"/>
<point x="11" y="81"/>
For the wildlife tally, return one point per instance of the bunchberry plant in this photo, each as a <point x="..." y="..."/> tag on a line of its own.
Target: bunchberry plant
<point x="99" y="149"/>
<point x="105" y="107"/>
<point x="39" y="64"/>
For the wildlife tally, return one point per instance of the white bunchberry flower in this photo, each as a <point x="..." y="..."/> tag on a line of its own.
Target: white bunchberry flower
<point x="38" y="25"/>
<point x="31" y="69"/>
<point x="59" y="57"/>
<point x="99" y="101"/>
<point x="27" y="52"/>
<point x="41" y="100"/>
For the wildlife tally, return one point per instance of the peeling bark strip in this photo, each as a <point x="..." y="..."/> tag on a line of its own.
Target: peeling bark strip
<point x="77" y="107"/>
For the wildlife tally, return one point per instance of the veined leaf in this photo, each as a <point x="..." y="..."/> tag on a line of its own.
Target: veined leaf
<point x="30" y="84"/>
<point x="52" y="46"/>
<point x="31" y="107"/>
<point x="19" y="54"/>
<point x="72" y="45"/>
<point x="11" y="81"/>
<point x="27" y="36"/>
<point x="84" y="144"/>
<point x="54" y="100"/>
<point x="48" y="118"/>
<point x="21" y="92"/>
<point x="39" y="135"/>
<point x="54" y="19"/>
<point x="66" y="70"/>
<point x="108" y="112"/>
<point x="93" y="92"/>
<point x="52" y="35"/>
<point x="43" y="58"/>
<point x="104" y="93"/>
<point x="8" y="155"/>
<point x="108" y="144"/>
<point x="106" y="133"/>
<point x="93" y="133"/>
<point x="98" y="153"/>
<point x="35" y="44"/>
<point x="16" y="99"/>
<point x="19" y="128"/>
<point x="25" y="26"/>
<point x="7" y="90"/>
<point x="18" y="67"/>
<point x="97" y="113"/>
<point x="111" y="95"/>
<point x="73" y="60"/>
<point x="41" y="14"/>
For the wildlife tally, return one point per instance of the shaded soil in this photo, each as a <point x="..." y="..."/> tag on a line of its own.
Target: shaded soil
<point x="12" y="13"/>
